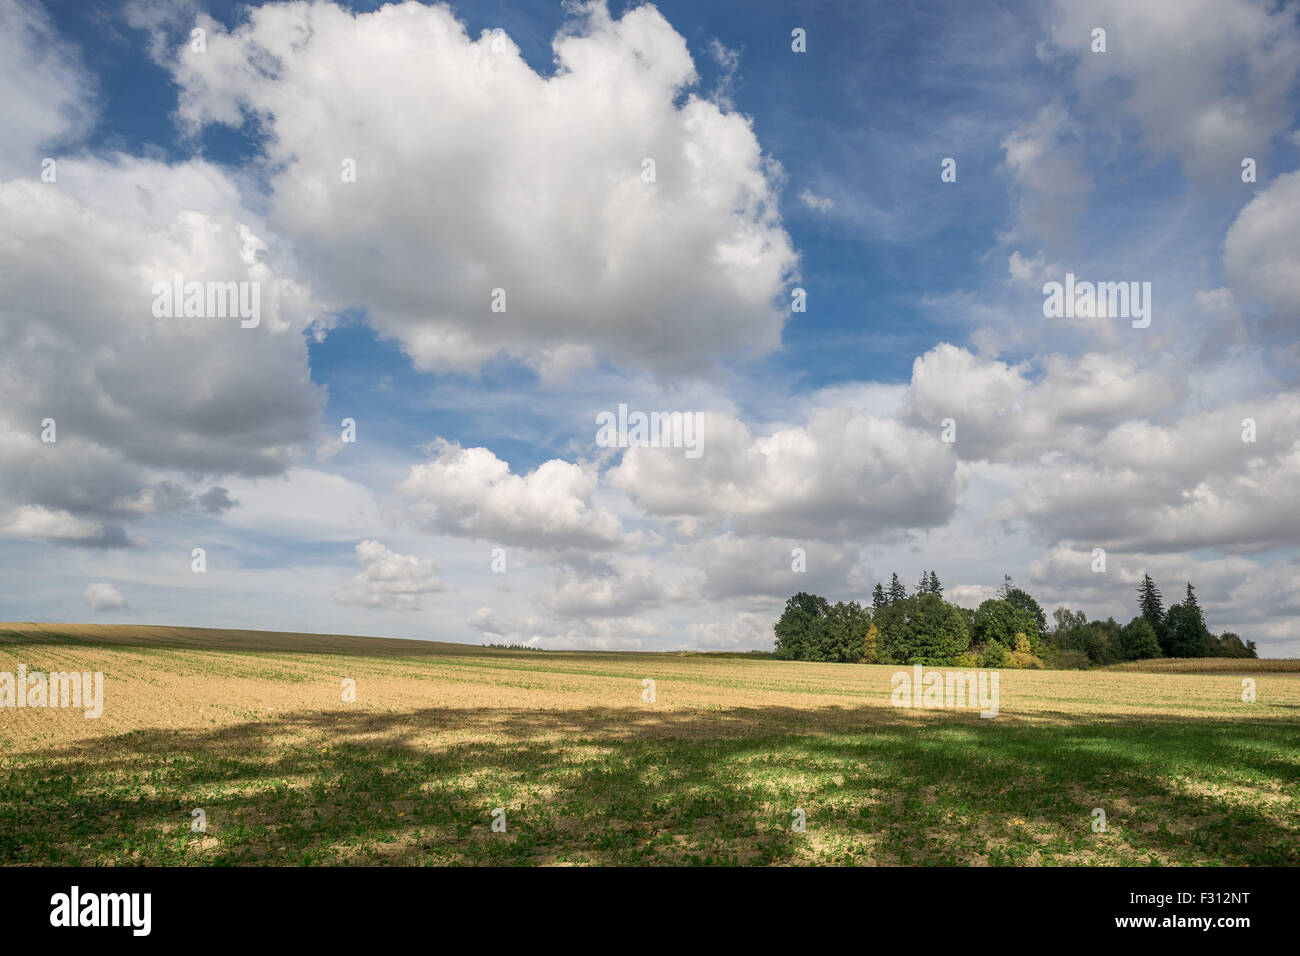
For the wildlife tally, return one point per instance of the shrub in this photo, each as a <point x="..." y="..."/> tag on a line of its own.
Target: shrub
<point x="1067" y="659"/>
<point x="1022" y="660"/>
<point x="994" y="654"/>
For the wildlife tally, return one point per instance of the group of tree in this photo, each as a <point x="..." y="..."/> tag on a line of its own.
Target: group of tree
<point x="813" y="629"/>
<point x="1179" y="631"/>
<point x="1008" y="630"/>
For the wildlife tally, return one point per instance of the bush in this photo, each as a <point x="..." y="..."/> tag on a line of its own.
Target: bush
<point x="1022" y="660"/>
<point x="1066" y="660"/>
<point x="994" y="654"/>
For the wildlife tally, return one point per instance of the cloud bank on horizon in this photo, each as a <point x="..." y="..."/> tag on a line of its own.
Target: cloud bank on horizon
<point x="309" y="314"/>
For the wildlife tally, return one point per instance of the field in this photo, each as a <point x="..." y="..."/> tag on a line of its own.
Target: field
<point x="252" y="728"/>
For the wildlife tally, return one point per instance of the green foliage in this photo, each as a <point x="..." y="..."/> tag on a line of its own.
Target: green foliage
<point x="1062" y="659"/>
<point x="1001" y="621"/>
<point x="1007" y="631"/>
<point x="1021" y="600"/>
<point x="796" y="637"/>
<point x="921" y="629"/>
<point x="1185" y="632"/>
<point x="1100" y="641"/>
<point x="1151" y="603"/>
<point x="1068" y="620"/>
<point x="811" y="629"/>
<point x="1138" y="640"/>
<point x="993" y="655"/>
<point x="1229" y="644"/>
<point x="842" y="633"/>
<point x="929" y="583"/>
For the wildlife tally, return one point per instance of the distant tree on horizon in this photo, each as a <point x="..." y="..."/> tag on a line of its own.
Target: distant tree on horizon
<point x="1009" y="630"/>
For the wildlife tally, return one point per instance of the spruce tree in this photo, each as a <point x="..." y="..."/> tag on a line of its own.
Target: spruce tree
<point x="878" y="597"/>
<point x="935" y="586"/>
<point x="923" y="585"/>
<point x="1151" y="603"/>
<point x="897" y="591"/>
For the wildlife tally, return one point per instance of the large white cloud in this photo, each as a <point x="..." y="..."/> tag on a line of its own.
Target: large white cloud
<point x="1001" y="414"/>
<point x="1208" y="81"/>
<point x="491" y="176"/>
<point x="846" y="472"/>
<point x="143" y="406"/>
<point x="470" y="492"/>
<point x="1190" y="484"/>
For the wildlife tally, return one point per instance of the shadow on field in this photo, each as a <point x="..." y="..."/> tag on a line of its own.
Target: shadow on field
<point x="627" y="786"/>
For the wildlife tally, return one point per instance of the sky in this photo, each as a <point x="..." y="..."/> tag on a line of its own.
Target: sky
<point x="823" y="234"/>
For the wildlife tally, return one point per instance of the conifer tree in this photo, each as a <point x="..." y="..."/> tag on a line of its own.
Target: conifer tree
<point x="1151" y="603"/>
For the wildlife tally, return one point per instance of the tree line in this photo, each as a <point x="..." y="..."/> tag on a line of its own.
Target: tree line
<point x="1009" y="630"/>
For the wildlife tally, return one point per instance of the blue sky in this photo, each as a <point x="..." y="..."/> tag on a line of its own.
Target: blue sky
<point x="517" y="165"/>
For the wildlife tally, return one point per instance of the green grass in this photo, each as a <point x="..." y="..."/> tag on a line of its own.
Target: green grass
<point x="949" y="792"/>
